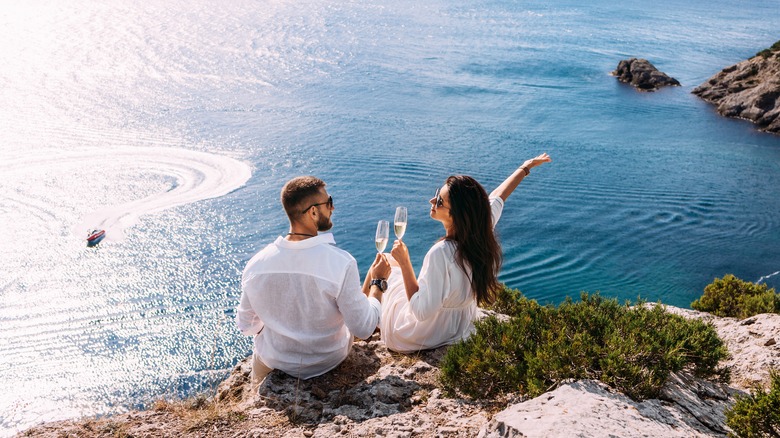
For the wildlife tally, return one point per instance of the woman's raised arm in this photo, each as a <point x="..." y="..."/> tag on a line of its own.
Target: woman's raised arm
<point x="510" y="184"/>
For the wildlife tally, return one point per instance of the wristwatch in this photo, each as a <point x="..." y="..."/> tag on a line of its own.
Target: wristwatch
<point x="380" y="282"/>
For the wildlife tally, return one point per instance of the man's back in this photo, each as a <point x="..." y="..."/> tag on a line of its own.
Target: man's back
<point x="304" y="298"/>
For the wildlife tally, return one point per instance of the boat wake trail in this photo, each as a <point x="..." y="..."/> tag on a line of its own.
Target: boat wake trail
<point x="189" y="176"/>
<point x="767" y="277"/>
<point x="197" y="175"/>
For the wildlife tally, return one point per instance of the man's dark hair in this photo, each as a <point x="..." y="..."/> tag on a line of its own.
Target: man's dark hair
<point x="299" y="191"/>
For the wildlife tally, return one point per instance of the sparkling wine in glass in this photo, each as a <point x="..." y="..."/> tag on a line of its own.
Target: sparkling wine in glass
<point x="382" y="235"/>
<point x="399" y="225"/>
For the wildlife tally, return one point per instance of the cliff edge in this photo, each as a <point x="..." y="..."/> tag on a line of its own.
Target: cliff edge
<point x="376" y="392"/>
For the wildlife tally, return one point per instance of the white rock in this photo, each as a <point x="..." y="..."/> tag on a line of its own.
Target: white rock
<point x="587" y="408"/>
<point x="751" y="359"/>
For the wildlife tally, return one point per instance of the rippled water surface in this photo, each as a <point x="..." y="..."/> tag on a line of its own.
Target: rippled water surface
<point x="174" y="124"/>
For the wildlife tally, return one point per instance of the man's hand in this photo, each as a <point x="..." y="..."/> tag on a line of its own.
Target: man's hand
<point x="380" y="268"/>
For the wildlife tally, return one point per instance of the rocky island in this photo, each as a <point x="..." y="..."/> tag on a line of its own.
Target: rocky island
<point x="376" y="392"/>
<point x="748" y="90"/>
<point x="643" y="75"/>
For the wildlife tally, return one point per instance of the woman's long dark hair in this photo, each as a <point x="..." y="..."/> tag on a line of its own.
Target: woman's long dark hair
<point x="477" y="247"/>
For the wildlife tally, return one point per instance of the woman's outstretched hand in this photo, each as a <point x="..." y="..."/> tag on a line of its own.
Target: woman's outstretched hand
<point x="510" y="184"/>
<point x="536" y="161"/>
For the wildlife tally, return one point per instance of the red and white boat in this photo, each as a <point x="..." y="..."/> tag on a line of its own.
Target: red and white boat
<point x="95" y="236"/>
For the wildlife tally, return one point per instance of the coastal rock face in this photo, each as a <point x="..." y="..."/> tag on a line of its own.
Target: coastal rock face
<point x="748" y="90"/>
<point x="688" y="407"/>
<point x="643" y="75"/>
<point x="376" y="392"/>
<point x="754" y="345"/>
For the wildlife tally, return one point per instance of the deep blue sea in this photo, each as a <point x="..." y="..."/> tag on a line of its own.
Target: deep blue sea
<point x="174" y="125"/>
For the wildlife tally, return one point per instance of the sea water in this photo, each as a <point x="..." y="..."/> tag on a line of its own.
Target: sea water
<point x="174" y="125"/>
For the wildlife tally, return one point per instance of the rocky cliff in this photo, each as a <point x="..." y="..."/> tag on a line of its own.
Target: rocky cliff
<point x="748" y="90"/>
<point x="379" y="393"/>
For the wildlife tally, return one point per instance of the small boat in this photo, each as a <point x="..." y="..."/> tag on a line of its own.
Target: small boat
<point x="95" y="236"/>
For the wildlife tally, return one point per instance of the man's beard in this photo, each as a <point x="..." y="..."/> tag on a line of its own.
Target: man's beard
<point x="324" y="223"/>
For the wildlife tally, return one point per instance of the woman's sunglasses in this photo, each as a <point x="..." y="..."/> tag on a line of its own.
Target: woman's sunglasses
<point x="439" y="200"/>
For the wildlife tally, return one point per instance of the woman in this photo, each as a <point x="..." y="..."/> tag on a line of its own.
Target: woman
<point x="458" y="272"/>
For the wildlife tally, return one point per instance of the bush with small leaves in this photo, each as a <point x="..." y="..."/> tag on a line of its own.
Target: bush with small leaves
<point x="758" y="414"/>
<point x="766" y="53"/>
<point x="730" y="296"/>
<point x="632" y="349"/>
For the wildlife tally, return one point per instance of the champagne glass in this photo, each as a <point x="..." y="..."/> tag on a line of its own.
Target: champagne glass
<point x="399" y="226"/>
<point x="382" y="235"/>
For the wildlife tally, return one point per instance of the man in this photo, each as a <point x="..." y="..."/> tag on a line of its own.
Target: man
<point x="301" y="296"/>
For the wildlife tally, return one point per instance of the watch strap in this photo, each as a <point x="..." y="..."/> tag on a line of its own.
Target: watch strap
<point x="381" y="283"/>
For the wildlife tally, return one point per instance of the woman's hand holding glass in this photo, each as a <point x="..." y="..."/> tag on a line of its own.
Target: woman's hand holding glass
<point x="400" y="253"/>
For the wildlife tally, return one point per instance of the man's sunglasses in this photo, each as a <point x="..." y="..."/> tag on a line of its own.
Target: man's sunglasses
<point x="329" y="202"/>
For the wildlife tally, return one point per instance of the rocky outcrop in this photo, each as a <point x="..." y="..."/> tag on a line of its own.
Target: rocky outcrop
<point x="749" y="90"/>
<point x="754" y="345"/>
<point x="373" y="393"/>
<point x="379" y="393"/>
<point x="688" y="407"/>
<point x="643" y="75"/>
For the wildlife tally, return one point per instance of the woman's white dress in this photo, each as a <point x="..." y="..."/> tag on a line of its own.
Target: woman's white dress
<point x="443" y="309"/>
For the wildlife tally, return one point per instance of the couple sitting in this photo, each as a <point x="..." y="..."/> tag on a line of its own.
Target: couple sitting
<point x="301" y="296"/>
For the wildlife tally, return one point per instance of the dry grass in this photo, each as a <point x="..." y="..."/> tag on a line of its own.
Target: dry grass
<point x="201" y="414"/>
<point x="196" y="417"/>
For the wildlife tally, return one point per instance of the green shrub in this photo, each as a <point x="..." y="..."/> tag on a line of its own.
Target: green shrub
<point x="632" y="349"/>
<point x="766" y="53"/>
<point x="758" y="414"/>
<point x="733" y="297"/>
<point x="509" y="301"/>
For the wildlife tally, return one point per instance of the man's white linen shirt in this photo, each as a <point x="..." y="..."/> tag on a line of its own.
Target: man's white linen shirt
<point x="304" y="303"/>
